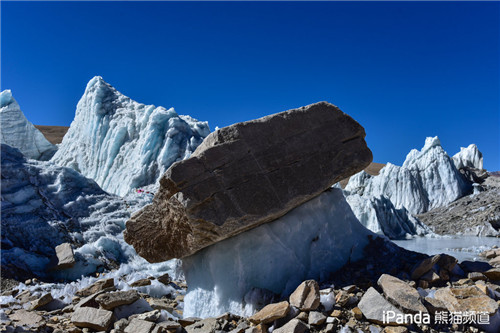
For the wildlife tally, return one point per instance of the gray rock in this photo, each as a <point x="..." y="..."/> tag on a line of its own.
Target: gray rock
<point x="316" y="318"/>
<point x="475" y="266"/>
<point x="151" y="316"/>
<point x="23" y="317"/>
<point x="293" y="326"/>
<point x="112" y="300"/>
<point x="97" y="319"/>
<point x="139" y="326"/>
<point x="306" y="297"/>
<point x="65" y="256"/>
<point x="120" y="325"/>
<point x="245" y="175"/>
<point x="373" y="306"/>
<point x="38" y="303"/>
<point x="401" y="294"/>
<point x="208" y="325"/>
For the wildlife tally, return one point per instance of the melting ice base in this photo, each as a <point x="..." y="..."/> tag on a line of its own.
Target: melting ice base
<point x="310" y="242"/>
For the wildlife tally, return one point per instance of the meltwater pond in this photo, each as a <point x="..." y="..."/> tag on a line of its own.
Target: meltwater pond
<point x="461" y="247"/>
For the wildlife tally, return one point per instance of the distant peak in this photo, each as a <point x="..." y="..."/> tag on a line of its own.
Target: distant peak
<point x="6" y="98"/>
<point x="96" y="81"/>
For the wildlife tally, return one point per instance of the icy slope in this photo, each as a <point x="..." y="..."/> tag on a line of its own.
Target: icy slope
<point x="122" y="144"/>
<point x="44" y="205"/>
<point x="427" y="179"/>
<point x="18" y="132"/>
<point x="468" y="157"/>
<point x="310" y="242"/>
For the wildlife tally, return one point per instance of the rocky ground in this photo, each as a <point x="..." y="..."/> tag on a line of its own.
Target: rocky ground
<point x="54" y="134"/>
<point x="476" y="214"/>
<point x="437" y="287"/>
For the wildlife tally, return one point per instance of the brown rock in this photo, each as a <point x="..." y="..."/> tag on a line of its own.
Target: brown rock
<point x="306" y="297"/>
<point x="139" y="326"/>
<point x="165" y="279"/>
<point x="245" y="175"/>
<point x="141" y="283"/>
<point x="424" y="266"/>
<point x="270" y="313"/>
<point x="112" y="300"/>
<point x="99" y="285"/>
<point x="447" y="262"/>
<point x="401" y="294"/>
<point x="493" y="274"/>
<point x="495" y="261"/>
<point x="430" y="277"/>
<point x="342" y="298"/>
<point x="357" y="313"/>
<point x="434" y="305"/>
<point x="395" y="329"/>
<point x="38" y="303"/>
<point x="468" y="298"/>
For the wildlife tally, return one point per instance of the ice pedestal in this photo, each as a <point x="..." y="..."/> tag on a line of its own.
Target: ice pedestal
<point x="310" y="242"/>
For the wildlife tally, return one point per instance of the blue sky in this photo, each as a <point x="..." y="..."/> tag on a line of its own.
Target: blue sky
<point x="404" y="70"/>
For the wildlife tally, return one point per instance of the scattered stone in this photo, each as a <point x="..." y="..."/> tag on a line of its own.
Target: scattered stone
<point x="490" y="254"/>
<point x="23" y="317"/>
<point x="25" y="297"/>
<point x="316" y="318"/>
<point x="270" y="313"/>
<point x="100" y="285"/>
<point x="395" y="329"/>
<point x="336" y="313"/>
<point x="65" y="256"/>
<point x="165" y="279"/>
<point x="357" y="313"/>
<point x="111" y="300"/>
<point x="169" y="325"/>
<point x="475" y="276"/>
<point x="141" y="283"/>
<point x="97" y="319"/>
<point x="342" y="298"/>
<point x="495" y="261"/>
<point x="424" y="266"/>
<point x="203" y="326"/>
<point x="430" y="277"/>
<point x="139" y="326"/>
<point x="151" y="316"/>
<point x="374" y="306"/>
<point x="89" y="301"/>
<point x="306" y="297"/>
<point x="401" y="294"/>
<point x="493" y="274"/>
<point x="211" y="195"/>
<point x="447" y="262"/>
<point x="434" y="305"/>
<point x="121" y="324"/>
<point x="188" y="321"/>
<point x="467" y="298"/>
<point x="304" y="316"/>
<point x="293" y="326"/>
<point x="38" y="303"/>
<point x="161" y="304"/>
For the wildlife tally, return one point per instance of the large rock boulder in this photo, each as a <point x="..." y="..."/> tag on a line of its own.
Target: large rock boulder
<point x="246" y="175"/>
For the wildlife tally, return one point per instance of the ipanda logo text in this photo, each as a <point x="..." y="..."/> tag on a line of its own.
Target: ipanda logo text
<point x="440" y="317"/>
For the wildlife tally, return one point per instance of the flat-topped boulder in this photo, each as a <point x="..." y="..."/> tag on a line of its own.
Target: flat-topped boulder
<point x="245" y="175"/>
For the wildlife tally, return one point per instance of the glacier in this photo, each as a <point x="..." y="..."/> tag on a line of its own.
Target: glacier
<point x="123" y="144"/>
<point x="242" y="272"/>
<point x="427" y="179"/>
<point x="18" y="132"/>
<point x="44" y="205"/>
<point x="469" y="157"/>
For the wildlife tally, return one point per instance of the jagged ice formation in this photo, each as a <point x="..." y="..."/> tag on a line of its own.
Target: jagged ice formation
<point x="19" y="133"/>
<point x="122" y="144"/>
<point x="427" y="179"/>
<point x="469" y="157"/>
